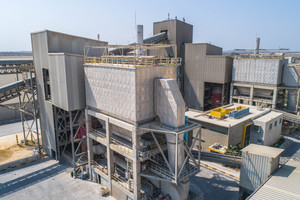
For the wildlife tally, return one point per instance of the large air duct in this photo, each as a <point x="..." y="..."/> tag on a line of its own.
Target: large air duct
<point x="170" y="108"/>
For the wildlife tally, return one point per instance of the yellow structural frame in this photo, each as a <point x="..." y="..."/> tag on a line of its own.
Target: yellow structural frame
<point x="244" y="134"/>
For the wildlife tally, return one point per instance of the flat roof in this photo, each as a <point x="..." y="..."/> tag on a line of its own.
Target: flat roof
<point x="283" y="184"/>
<point x="262" y="150"/>
<point x="269" y="116"/>
<point x="226" y="122"/>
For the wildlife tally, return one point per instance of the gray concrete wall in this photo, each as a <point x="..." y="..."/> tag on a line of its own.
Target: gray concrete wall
<point x="211" y="134"/>
<point x="210" y="137"/>
<point x="124" y="92"/>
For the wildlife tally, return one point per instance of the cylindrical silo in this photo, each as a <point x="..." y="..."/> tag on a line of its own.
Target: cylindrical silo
<point x="292" y="100"/>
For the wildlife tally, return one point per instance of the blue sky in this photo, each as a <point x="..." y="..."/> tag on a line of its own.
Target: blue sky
<point x="229" y="24"/>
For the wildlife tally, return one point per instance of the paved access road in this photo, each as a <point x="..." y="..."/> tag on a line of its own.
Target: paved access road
<point x="45" y="179"/>
<point x="214" y="185"/>
<point x="292" y="151"/>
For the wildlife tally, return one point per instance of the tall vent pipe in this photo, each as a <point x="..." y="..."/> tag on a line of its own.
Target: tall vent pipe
<point x="139" y="38"/>
<point x="257" y="42"/>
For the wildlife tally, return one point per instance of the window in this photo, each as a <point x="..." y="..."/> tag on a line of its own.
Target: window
<point x="270" y="126"/>
<point x="280" y="120"/>
<point x="275" y="123"/>
<point x="256" y="128"/>
<point x="46" y="80"/>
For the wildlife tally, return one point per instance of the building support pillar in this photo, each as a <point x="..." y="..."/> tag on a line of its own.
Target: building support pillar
<point x="275" y="90"/>
<point x="136" y="164"/>
<point x="251" y="95"/>
<point x="231" y="92"/>
<point x="109" y="153"/>
<point x="89" y="143"/>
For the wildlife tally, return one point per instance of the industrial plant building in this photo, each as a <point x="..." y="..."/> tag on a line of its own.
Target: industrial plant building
<point x="204" y="75"/>
<point x="207" y="76"/>
<point x="238" y="125"/>
<point x="265" y="80"/>
<point x="120" y="118"/>
<point x="117" y="113"/>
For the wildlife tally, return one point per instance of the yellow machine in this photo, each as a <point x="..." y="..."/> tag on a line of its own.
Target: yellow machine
<point x="217" y="148"/>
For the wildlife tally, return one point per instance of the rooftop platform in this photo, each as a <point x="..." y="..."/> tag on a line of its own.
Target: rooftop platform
<point x="227" y="121"/>
<point x="261" y="150"/>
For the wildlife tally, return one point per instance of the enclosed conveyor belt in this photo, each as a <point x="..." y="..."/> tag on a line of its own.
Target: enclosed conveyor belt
<point x="15" y="68"/>
<point x="13" y="90"/>
<point x="151" y="40"/>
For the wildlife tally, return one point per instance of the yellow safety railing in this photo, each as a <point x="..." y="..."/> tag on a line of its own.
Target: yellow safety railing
<point x="136" y="61"/>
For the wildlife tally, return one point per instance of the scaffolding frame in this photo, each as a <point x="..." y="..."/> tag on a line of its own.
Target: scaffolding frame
<point x="67" y="127"/>
<point x="162" y="167"/>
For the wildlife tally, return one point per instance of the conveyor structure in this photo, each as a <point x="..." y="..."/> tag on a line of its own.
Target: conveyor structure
<point x="151" y="40"/>
<point x="25" y="90"/>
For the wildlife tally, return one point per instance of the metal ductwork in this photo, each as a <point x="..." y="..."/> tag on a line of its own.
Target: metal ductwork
<point x="170" y="108"/>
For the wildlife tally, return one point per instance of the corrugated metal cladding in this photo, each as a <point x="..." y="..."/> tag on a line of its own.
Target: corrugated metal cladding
<point x="178" y="33"/>
<point x="67" y="79"/>
<point x="46" y="42"/>
<point x="284" y="184"/>
<point x="258" y="163"/>
<point x="40" y="59"/>
<point x="255" y="170"/>
<point x="203" y="63"/>
<point x="206" y="67"/>
<point x="268" y="71"/>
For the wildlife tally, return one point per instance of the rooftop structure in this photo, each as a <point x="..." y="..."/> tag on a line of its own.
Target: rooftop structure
<point x="207" y="76"/>
<point x="265" y="80"/>
<point x="238" y="125"/>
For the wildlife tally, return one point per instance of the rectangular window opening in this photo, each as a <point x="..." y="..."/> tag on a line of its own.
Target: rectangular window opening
<point x="47" y="88"/>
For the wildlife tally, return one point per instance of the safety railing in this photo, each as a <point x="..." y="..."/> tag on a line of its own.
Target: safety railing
<point x="123" y="182"/>
<point x="121" y="145"/>
<point x="143" y="61"/>
<point x="98" y="133"/>
<point x="100" y="167"/>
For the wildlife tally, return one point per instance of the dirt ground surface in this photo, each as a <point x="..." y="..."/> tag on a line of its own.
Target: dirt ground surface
<point x="10" y="150"/>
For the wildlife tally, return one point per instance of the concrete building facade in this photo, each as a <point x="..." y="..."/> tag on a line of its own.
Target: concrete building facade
<point x="265" y="80"/>
<point x="207" y="76"/>
<point x="179" y="33"/>
<point x="135" y="125"/>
